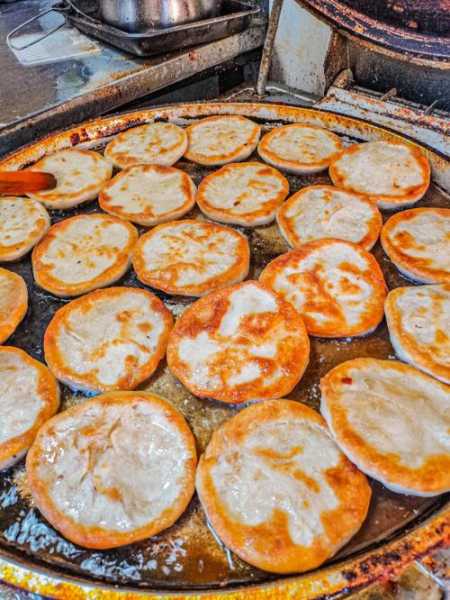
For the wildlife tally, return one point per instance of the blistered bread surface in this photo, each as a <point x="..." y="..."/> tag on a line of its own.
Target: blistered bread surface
<point x="418" y="243"/>
<point x="323" y="211"/>
<point x="237" y="344"/>
<point x="114" y="470"/>
<point x="299" y="148"/>
<point x="155" y="144"/>
<point x="243" y="193"/>
<point x="418" y="319"/>
<point x="23" y="222"/>
<point x="149" y="194"/>
<point x="109" y="339"/>
<point x="223" y="139"/>
<point x="191" y="258"/>
<point x="82" y="253"/>
<point x="80" y="175"/>
<point x="29" y="395"/>
<point x="13" y="302"/>
<point x="393" y="174"/>
<point x="392" y="421"/>
<point x="278" y="490"/>
<point x="336" y="286"/>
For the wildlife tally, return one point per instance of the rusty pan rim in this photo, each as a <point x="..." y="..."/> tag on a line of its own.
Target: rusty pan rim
<point x="345" y="577"/>
<point x="405" y="44"/>
<point x="383" y="561"/>
<point x="98" y="129"/>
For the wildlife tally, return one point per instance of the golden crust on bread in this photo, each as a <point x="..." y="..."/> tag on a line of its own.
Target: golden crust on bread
<point x="418" y="243"/>
<point x="110" y="339"/>
<point x="149" y="194"/>
<point x="152" y="144"/>
<point x="394" y="175"/>
<point x="392" y="421"/>
<point x="23" y="222"/>
<point x="245" y="194"/>
<point x="238" y="344"/>
<point x="418" y="320"/>
<point x="24" y="408"/>
<point x="83" y="253"/>
<point x="191" y="258"/>
<point x="323" y="211"/>
<point x="337" y="287"/>
<point x="113" y="470"/>
<point x="80" y="175"/>
<point x="221" y="139"/>
<point x="13" y="302"/>
<point x="299" y="148"/>
<point x="277" y="489"/>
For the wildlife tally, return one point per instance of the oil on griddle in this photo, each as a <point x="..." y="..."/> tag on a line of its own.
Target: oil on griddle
<point x="188" y="555"/>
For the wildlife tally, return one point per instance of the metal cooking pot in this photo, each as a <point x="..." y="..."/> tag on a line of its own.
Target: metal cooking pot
<point x="139" y="15"/>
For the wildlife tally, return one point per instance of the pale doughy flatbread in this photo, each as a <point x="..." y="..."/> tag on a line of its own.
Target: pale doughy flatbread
<point x="394" y="175"/>
<point x="110" y="339"/>
<point x="336" y="286"/>
<point x="13" y="302"/>
<point x="418" y="243"/>
<point x="29" y="395"/>
<point x="153" y="144"/>
<point x="83" y="253"/>
<point x="277" y="489"/>
<point x="80" y="175"/>
<point x="149" y="194"/>
<point x="113" y="470"/>
<point x="392" y="421"/>
<point x="245" y="194"/>
<point x="418" y="319"/>
<point x="191" y="258"/>
<point x="238" y="344"/>
<point x="23" y="222"/>
<point x="299" y="148"/>
<point x="222" y="139"/>
<point x="323" y="211"/>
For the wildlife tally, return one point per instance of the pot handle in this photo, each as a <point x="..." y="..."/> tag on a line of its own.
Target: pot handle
<point x="12" y="33"/>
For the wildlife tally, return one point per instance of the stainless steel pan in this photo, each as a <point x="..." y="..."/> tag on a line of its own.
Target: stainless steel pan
<point x="141" y="15"/>
<point x="130" y="17"/>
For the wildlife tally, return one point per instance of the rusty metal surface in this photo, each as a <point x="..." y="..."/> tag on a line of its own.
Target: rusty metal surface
<point x="408" y="119"/>
<point x="44" y="97"/>
<point x="267" y="52"/>
<point x="186" y="560"/>
<point x="426" y="16"/>
<point x="417" y="31"/>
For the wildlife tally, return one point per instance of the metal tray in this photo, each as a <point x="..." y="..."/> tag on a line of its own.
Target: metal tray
<point x="236" y="17"/>
<point x="187" y="560"/>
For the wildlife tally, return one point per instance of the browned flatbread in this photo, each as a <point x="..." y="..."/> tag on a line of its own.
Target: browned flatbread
<point x="392" y="421"/>
<point x="418" y="243"/>
<point x="392" y="174"/>
<point x="221" y="139"/>
<point x="113" y="470"/>
<point x="337" y="287"/>
<point x="191" y="258"/>
<point x="83" y="253"/>
<point x="277" y="489"/>
<point x="238" y="344"/>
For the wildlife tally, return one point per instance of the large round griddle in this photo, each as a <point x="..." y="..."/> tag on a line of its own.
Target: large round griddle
<point x="187" y="560"/>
